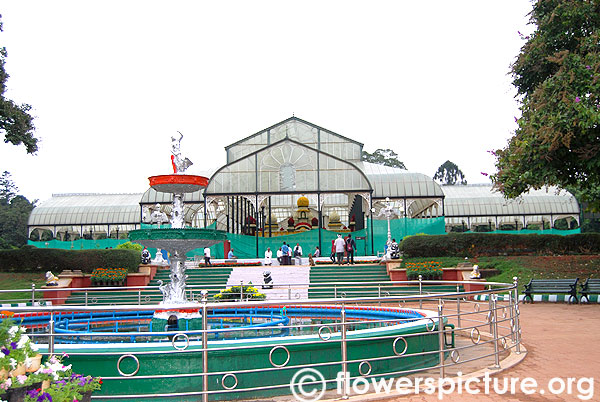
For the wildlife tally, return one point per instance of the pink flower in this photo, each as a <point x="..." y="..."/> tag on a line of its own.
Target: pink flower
<point x="588" y="67"/>
<point x="484" y="173"/>
<point x="577" y="99"/>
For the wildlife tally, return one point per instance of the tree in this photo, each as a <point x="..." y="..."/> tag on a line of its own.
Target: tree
<point x="557" y="76"/>
<point x="449" y="174"/>
<point x="15" y="121"/>
<point x="14" y="214"/>
<point x="385" y="157"/>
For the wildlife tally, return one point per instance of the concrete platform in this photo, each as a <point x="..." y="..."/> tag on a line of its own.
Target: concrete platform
<point x="297" y="276"/>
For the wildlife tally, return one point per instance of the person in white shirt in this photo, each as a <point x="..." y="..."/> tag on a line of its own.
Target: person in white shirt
<point x="340" y="246"/>
<point x="298" y="253"/>
<point x="268" y="256"/>
<point x="207" y="257"/>
<point x="279" y="256"/>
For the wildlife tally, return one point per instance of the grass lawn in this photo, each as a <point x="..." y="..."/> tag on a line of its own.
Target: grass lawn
<point x="527" y="267"/>
<point x="12" y="280"/>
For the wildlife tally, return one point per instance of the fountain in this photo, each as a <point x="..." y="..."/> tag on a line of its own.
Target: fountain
<point x="177" y="240"/>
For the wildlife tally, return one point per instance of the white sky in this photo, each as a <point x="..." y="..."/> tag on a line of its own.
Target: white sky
<point x="111" y="81"/>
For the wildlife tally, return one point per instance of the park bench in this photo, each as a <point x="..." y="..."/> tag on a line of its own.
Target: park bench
<point x="590" y="287"/>
<point x="552" y="286"/>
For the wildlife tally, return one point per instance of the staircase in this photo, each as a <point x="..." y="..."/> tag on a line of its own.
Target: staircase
<point x="366" y="281"/>
<point x="211" y="279"/>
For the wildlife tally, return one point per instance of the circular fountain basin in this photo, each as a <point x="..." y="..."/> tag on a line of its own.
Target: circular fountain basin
<point x="251" y="346"/>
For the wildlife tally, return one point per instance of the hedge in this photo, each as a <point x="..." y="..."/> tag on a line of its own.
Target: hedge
<point x="482" y="244"/>
<point x="33" y="259"/>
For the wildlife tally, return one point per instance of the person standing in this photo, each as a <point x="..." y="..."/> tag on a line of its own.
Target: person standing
<point x="285" y="250"/>
<point x="340" y="245"/>
<point x="332" y="251"/>
<point x="350" y="247"/>
<point x="280" y="256"/>
<point x="268" y="256"/>
<point x="207" y="256"/>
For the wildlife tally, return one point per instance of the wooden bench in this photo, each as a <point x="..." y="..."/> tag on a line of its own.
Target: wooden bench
<point x="590" y="287"/>
<point x="552" y="286"/>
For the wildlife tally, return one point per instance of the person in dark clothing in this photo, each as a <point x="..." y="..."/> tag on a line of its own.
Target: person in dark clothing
<point x="350" y="247"/>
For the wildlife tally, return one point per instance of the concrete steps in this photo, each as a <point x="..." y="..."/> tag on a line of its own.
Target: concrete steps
<point x="296" y="276"/>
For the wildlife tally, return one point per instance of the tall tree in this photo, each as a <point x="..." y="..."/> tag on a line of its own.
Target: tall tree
<point x="14" y="214"/>
<point x="449" y="174"/>
<point x="557" y="76"/>
<point x="15" y="121"/>
<point x="385" y="157"/>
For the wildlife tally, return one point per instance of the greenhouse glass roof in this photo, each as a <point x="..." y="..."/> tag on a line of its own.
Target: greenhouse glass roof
<point x="83" y="209"/>
<point x="287" y="166"/>
<point x="483" y="201"/>
<point x="399" y="183"/>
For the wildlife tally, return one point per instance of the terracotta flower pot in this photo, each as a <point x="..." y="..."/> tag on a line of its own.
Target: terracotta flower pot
<point x="34" y="363"/>
<point x="3" y="374"/>
<point x="20" y="370"/>
<point x="45" y="385"/>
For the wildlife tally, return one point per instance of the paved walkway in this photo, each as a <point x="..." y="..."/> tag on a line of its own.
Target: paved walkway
<point x="297" y="277"/>
<point x="562" y="341"/>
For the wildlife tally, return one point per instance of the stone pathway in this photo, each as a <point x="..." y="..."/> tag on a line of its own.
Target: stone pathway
<point x="296" y="275"/>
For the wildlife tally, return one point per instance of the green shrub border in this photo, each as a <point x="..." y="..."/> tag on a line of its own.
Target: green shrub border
<point x="485" y="244"/>
<point x="33" y="259"/>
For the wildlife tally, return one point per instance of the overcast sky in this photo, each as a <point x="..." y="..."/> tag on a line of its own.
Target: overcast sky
<point x="111" y="81"/>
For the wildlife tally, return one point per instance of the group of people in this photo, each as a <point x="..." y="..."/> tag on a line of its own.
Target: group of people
<point x="343" y="246"/>
<point x="285" y="253"/>
<point x="340" y="247"/>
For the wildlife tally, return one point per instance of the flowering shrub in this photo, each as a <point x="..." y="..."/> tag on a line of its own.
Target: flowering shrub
<point x="428" y="270"/>
<point x="234" y="293"/>
<point x="15" y="346"/>
<point x="17" y="357"/>
<point x="103" y="275"/>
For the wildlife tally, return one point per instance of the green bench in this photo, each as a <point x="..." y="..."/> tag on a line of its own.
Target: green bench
<point x="552" y="286"/>
<point x="590" y="287"/>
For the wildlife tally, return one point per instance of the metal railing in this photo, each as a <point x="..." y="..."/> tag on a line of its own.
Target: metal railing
<point x="484" y="333"/>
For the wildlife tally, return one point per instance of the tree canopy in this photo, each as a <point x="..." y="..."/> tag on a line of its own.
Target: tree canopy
<point x="14" y="214"/>
<point x="557" y="141"/>
<point x="15" y="121"/>
<point x="385" y="157"/>
<point x="449" y="174"/>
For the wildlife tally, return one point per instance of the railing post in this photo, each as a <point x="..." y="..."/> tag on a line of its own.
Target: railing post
<point x="421" y="291"/>
<point x="51" y="335"/>
<point x="86" y="297"/>
<point x="494" y="325"/>
<point x="458" y="306"/>
<point x="290" y="292"/>
<point x="241" y="290"/>
<point x="379" y="293"/>
<point x="139" y="297"/>
<point x="345" y="378"/>
<point x="490" y="306"/>
<point x="335" y="291"/>
<point x="33" y="294"/>
<point x="204" y="346"/>
<point x="441" y="337"/>
<point x="516" y="324"/>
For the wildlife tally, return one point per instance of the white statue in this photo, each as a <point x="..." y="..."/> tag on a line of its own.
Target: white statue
<point x="475" y="274"/>
<point x="157" y="216"/>
<point x="51" y="280"/>
<point x="159" y="259"/>
<point x="180" y="164"/>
